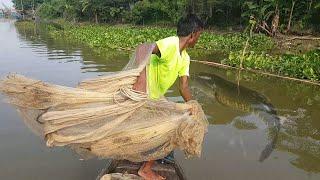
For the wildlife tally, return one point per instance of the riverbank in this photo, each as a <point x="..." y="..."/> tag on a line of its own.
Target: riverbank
<point x="298" y="59"/>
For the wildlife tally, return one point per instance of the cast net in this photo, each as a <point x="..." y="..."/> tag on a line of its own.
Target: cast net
<point x="105" y="117"/>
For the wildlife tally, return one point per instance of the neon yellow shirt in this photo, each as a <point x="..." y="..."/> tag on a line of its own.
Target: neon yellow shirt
<point x="163" y="71"/>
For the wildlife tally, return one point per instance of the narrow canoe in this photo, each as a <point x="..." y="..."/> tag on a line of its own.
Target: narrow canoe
<point x="122" y="169"/>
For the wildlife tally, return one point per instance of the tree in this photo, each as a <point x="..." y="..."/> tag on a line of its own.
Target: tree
<point x="265" y="12"/>
<point x="272" y="16"/>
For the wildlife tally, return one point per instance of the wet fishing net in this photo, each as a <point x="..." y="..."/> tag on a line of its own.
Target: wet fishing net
<point x="105" y="117"/>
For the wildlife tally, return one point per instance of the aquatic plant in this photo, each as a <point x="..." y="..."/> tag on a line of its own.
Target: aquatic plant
<point x="128" y="37"/>
<point x="304" y="66"/>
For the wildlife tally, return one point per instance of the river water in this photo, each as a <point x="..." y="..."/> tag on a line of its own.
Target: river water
<point x="242" y="118"/>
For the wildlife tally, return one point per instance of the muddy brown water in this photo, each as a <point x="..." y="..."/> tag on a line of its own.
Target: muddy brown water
<point x="242" y="118"/>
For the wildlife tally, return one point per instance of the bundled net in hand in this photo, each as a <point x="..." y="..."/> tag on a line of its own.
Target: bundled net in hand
<point x="106" y="117"/>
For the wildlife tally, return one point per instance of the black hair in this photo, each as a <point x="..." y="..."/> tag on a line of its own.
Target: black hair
<point x="189" y="24"/>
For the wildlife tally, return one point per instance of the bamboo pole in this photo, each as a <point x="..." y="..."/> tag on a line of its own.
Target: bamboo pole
<point x="255" y="71"/>
<point x="303" y="38"/>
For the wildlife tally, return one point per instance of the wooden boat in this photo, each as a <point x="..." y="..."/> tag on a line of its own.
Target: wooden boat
<point x="122" y="169"/>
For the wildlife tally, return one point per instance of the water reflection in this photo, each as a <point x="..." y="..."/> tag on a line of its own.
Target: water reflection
<point x="37" y="38"/>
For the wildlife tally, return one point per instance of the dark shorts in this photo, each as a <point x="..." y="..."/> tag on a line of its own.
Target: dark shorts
<point x="168" y="159"/>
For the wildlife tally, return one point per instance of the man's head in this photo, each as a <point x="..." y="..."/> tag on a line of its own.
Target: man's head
<point x="190" y="26"/>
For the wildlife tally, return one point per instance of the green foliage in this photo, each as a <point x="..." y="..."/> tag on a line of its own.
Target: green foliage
<point x="215" y="12"/>
<point x="27" y="4"/>
<point x="128" y="37"/>
<point x="25" y="25"/>
<point x="305" y="66"/>
<point x="52" y="9"/>
<point x="114" y="37"/>
<point x="312" y="18"/>
<point x="261" y="10"/>
<point x="148" y="11"/>
<point x="234" y="41"/>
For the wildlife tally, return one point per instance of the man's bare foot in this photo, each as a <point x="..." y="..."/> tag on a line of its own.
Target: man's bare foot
<point x="146" y="172"/>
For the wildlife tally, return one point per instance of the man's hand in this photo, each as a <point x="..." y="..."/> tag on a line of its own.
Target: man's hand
<point x="184" y="88"/>
<point x="193" y="107"/>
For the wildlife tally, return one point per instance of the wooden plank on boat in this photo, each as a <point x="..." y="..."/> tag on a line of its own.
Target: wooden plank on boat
<point x="122" y="169"/>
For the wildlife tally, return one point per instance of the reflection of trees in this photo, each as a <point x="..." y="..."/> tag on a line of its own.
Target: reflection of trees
<point x="37" y="36"/>
<point x="111" y="60"/>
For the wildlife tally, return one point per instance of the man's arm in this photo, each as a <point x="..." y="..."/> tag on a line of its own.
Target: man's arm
<point x="141" y="84"/>
<point x="184" y="88"/>
<point x="156" y="50"/>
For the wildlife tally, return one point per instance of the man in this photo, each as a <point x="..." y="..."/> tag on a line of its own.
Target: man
<point x="168" y="61"/>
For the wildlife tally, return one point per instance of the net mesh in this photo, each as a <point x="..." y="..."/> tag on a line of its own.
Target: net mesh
<point x="105" y="117"/>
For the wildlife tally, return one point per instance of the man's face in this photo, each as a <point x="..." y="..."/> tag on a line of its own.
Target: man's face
<point x="194" y="38"/>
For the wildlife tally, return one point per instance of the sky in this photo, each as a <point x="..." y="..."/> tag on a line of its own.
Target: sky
<point x="6" y="2"/>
